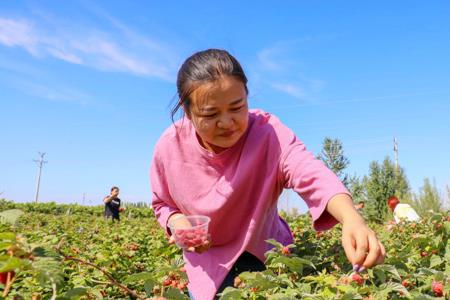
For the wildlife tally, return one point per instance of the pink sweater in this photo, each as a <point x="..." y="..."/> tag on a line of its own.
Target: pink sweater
<point x="238" y="189"/>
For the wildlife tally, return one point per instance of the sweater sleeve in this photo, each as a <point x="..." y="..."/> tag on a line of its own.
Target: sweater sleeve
<point x="162" y="203"/>
<point x="308" y="177"/>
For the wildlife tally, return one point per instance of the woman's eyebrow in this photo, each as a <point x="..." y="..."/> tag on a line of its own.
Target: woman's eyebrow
<point x="212" y="108"/>
<point x="237" y="101"/>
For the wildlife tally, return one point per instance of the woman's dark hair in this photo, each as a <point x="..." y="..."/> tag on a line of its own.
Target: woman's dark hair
<point x="114" y="188"/>
<point x="202" y="67"/>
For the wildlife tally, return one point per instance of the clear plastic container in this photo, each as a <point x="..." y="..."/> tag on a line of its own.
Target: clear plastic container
<point x="189" y="231"/>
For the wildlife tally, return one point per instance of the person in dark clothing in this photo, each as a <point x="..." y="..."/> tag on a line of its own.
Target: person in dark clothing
<point x="112" y="204"/>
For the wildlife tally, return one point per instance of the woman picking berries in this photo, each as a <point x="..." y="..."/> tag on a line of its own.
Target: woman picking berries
<point x="231" y="163"/>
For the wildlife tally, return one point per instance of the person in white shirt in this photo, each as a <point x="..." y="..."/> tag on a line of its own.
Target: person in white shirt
<point x="402" y="211"/>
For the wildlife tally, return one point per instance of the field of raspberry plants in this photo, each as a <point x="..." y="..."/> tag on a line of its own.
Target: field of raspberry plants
<point x="51" y="251"/>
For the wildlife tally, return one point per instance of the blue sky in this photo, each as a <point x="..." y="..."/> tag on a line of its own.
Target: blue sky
<point x="90" y="84"/>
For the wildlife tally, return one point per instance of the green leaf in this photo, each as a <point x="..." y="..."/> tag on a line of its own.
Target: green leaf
<point x="435" y="261"/>
<point x="175" y="294"/>
<point x="75" y="293"/>
<point x="351" y="296"/>
<point x="147" y="276"/>
<point x="281" y="297"/>
<point x="256" y="279"/>
<point x="422" y="297"/>
<point x="295" y="264"/>
<point x="5" y="245"/>
<point x="391" y="270"/>
<point x="44" y="252"/>
<point x="447" y="227"/>
<point x="230" y="293"/>
<point x="97" y="294"/>
<point x="394" y="286"/>
<point x="275" y="243"/>
<point x="148" y="287"/>
<point x="11" y="236"/>
<point x="10" y="264"/>
<point x="10" y="216"/>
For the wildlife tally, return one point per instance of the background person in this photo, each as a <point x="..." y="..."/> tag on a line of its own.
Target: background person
<point x="402" y="211"/>
<point x="112" y="204"/>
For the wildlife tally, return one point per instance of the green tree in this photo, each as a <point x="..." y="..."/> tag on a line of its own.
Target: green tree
<point x="428" y="199"/>
<point x="383" y="181"/>
<point x="357" y="189"/>
<point x="332" y="155"/>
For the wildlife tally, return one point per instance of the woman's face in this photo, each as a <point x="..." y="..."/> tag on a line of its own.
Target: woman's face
<point x="219" y="113"/>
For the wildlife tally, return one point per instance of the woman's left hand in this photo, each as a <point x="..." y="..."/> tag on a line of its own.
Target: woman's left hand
<point x="361" y="245"/>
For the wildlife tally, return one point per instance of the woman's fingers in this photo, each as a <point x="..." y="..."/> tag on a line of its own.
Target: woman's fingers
<point x="350" y="248"/>
<point x="171" y="240"/>
<point x="362" y="246"/>
<point x="374" y="250"/>
<point x="380" y="258"/>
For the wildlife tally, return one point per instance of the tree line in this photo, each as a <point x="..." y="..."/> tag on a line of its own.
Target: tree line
<point x="383" y="180"/>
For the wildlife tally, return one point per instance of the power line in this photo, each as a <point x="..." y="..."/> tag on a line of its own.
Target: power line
<point x="396" y="154"/>
<point x="40" y="162"/>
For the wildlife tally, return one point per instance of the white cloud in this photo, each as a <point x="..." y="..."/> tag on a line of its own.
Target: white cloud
<point x="266" y="60"/>
<point x="18" y="33"/>
<point x="290" y="89"/>
<point x="278" y="67"/>
<point x="56" y="94"/>
<point x="122" y="51"/>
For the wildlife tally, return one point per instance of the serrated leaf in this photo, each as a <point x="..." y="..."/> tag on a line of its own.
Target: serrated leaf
<point x="10" y="216"/>
<point x="75" y="293"/>
<point x="351" y="296"/>
<point x="5" y="245"/>
<point x="391" y="270"/>
<point x="435" y="261"/>
<point x="175" y="294"/>
<point x="295" y="264"/>
<point x="394" y="286"/>
<point x="257" y="279"/>
<point x="44" y="252"/>
<point x="447" y="227"/>
<point x="274" y="243"/>
<point x="9" y="264"/>
<point x="148" y="287"/>
<point x="146" y="276"/>
<point x="230" y="293"/>
<point x="10" y="236"/>
<point x="97" y="294"/>
<point x="281" y="297"/>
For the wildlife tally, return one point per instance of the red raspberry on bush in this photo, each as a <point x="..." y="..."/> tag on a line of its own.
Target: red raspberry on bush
<point x="438" y="288"/>
<point x="424" y="253"/>
<point x="358" y="279"/>
<point x="285" y="251"/>
<point x="405" y="283"/>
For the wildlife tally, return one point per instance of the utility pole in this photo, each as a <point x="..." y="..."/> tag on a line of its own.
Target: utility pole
<point x="84" y="198"/>
<point x="40" y="162"/>
<point x="396" y="154"/>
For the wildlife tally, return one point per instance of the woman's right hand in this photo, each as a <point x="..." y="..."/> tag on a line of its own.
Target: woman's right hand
<point x="183" y="223"/>
<point x="199" y="249"/>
